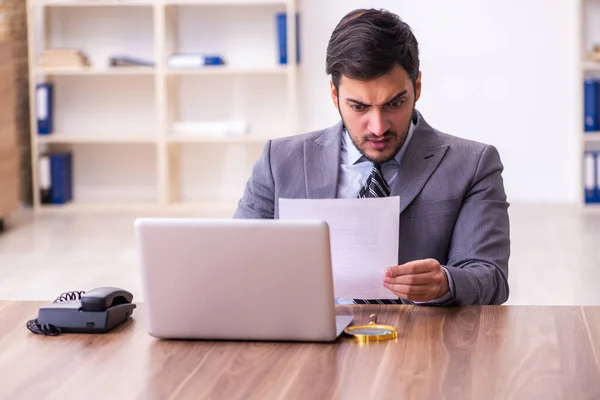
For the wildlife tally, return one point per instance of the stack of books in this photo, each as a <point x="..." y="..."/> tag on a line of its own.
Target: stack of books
<point x="63" y="58"/>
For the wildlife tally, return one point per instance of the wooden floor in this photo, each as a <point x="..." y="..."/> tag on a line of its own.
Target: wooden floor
<point x="555" y="255"/>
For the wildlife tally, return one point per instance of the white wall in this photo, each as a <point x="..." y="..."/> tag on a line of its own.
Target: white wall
<point x="501" y="72"/>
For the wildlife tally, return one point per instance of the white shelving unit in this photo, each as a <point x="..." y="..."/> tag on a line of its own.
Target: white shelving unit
<point x="121" y="123"/>
<point x="589" y="36"/>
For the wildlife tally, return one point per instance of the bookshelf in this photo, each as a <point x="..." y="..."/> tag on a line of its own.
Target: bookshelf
<point x="589" y="67"/>
<point x="159" y="137"/>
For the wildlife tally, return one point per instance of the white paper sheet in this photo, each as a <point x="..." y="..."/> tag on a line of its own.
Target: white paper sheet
<point x="364" y="240"/>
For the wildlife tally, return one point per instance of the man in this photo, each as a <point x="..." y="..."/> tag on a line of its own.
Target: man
<point x="454" y="227"/>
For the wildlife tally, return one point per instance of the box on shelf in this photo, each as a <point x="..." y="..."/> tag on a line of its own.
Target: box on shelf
<point x="594" y="55"/>
<point x="63" y="58"/>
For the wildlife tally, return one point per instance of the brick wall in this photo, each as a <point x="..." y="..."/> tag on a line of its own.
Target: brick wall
<point x="13" y="30"/>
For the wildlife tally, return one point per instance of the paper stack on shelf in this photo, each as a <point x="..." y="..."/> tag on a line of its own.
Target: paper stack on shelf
<point x="211" y="129"/>
<point x="63" y="58"/>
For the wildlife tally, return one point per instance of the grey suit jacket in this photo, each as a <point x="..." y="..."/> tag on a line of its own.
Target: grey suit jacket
<point x="453" y="204"/>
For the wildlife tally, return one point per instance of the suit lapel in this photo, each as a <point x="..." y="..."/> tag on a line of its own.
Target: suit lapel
<point x="422" y="157"/>
<point x="321" y="163"/>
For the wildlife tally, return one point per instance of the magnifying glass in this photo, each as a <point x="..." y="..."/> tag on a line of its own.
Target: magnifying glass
<point x="372" y="332"/>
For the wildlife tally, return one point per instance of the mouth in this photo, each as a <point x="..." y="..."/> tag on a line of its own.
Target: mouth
<point x="379" y="144"/>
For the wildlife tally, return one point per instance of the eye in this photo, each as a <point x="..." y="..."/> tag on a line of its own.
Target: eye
<point x="395" y="103"/>
<point x="358" y="107"/>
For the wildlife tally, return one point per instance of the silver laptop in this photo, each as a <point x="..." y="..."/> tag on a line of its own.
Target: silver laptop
<point x="229" y="279"/>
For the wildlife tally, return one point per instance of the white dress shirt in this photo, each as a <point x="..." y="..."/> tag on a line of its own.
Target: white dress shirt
<point x="355" y="168"/>
<point x="354" y="172"/>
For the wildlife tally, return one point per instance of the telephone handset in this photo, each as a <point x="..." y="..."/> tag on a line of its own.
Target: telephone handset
<point x="100" y="299"/>
<point x="96" y="311"/>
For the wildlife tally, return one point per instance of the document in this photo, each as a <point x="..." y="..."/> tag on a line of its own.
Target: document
<point x="364" y="235"/>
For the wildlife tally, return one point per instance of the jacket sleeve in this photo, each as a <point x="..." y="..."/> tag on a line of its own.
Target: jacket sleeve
<point x="480" y="248"/>
<point x="258" y="199"/>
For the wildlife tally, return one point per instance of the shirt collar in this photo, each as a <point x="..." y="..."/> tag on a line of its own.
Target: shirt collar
<point x="354" y="156"/>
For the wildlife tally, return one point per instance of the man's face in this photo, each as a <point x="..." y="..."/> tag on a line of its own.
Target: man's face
<point x="377" y="113"/>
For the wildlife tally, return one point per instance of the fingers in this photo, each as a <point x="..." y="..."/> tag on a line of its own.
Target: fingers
<point x="412" y="268"/>
<point x="420" y="280"/>
<point x="409" y="290"/>
<point x="416" y="279"/>
<point x="422" y="293"/>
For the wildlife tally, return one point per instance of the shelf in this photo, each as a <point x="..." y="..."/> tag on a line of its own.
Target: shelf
<point x="123" y="125"/>
<point x="95" y="138"/>
<point x="219" y="70"/>
<point x="225" y="2"/>
<point x="225" y="208"/>
<point x="98" y="3"/>
<point x="589" y="137"/>
<point x="242" y="139"/>
<point x="96" y="71"/>
<point x="76" y="207"/>
<point x="591" y="66"/>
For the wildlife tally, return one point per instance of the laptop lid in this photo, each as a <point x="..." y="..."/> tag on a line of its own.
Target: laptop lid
<point x="235" y="279"/>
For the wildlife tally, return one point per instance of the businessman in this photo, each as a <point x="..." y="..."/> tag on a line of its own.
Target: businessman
<point x="454" y="244"/>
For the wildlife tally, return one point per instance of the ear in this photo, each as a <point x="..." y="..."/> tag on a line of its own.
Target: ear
<point x="334" y="94"/>
<point x="418" y="88"/>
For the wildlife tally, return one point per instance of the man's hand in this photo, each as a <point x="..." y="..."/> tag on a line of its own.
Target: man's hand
<point x="420" y="281"/>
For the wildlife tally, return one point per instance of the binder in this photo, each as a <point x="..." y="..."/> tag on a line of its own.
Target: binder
<point x="45" y="179"/>
<point x="45" y="107"/>
<point x="597" y="176"/>
<point x="194" y="60"/>
<point x="61" y="175"/>
<point x="281" y="22"/>
<point x="589" y="176"/>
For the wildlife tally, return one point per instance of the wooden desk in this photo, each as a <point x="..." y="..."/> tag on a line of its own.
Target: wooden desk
<point x="506" y="352"/>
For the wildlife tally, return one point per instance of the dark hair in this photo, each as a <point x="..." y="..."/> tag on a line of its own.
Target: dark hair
<point x="368" y="43"/>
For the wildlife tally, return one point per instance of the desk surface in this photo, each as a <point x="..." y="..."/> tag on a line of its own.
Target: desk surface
<point x="490" y="352"/>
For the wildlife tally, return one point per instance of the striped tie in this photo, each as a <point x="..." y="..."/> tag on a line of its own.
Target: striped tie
<point x="375" y="186"/>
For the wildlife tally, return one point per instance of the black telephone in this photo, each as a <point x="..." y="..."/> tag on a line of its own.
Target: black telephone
<point x="97" y="311"/>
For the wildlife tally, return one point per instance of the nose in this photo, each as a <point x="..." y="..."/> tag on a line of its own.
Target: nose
<point x="377" y="123"/>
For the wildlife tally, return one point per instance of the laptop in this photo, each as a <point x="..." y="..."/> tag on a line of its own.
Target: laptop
<point x="237" y="279"/>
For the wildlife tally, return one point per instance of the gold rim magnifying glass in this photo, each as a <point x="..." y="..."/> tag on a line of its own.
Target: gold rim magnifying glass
<point x="372" y="331"/>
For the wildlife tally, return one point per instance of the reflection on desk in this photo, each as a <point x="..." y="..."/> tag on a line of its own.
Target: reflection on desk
<point x="487" y="352"/>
